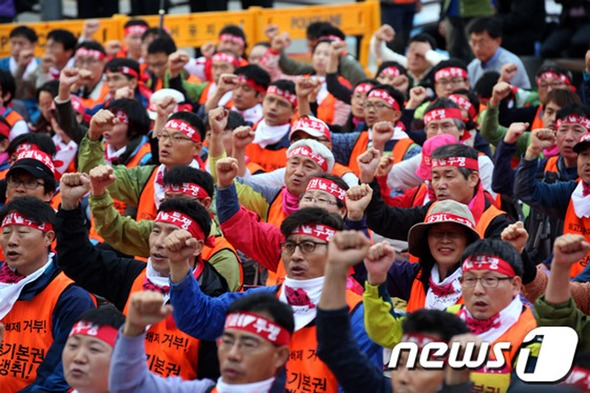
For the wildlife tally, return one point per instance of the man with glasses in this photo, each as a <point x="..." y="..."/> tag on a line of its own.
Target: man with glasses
<point x="304" y="253"/>
<point x="31" y="174"/>
<point x="179" y="143"/>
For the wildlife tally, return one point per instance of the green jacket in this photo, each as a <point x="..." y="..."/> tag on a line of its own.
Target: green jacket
<point x="565" y="314"/>
<point x="493" y="132"/>
<point x="470" y="8"/>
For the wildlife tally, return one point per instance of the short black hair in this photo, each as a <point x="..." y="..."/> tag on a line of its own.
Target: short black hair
<point x="193" y="120"/>
<point x="386" y="64"/>
<point x="457" y="150"/>
<point x="234" y="30"/>
<point x="485" y="85"/>
<point x="496" y="248"/>
<point x="139" y="121"/>
<point x="492" y="26"/>
<point x="24" y="31"/>
<point x="256" y="73"/>
<point x="186" y="174"/>
<point x="117" y="64"/>
<point x="562" y="97"/>
<point x="328" y="30"/>
<point x="396" y="94"/>
<point x="315" y="30"/>
<point x="261" y="302"/>
<point x="315" y="215"/>
<point x="573" y="109"/>
<point x="154" y="31"/>
<point x="93" y="45"/>
<point x="424" y="37"/>
<point x="51" y="87"/>
<point x="162" y="45"/>
<point x="64" y="37"/>
<point x="31" y="208"/>
<point x="43" y="141"/>
<point x="136" y="22"/>
<point x="443" y="324"/>
<point x="338" y="180"/>
<point x="285" y="85"/>
<point x="106" y="315"/>
<point x="190" y="208"/>
<point x="8" y="85"/>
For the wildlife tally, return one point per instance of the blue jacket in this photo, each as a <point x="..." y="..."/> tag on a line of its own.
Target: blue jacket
<point x="203" y="317"/>
<point x="71" y="304"/>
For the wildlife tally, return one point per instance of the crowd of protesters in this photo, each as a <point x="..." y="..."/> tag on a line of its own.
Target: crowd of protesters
<point x="250" y="223"/>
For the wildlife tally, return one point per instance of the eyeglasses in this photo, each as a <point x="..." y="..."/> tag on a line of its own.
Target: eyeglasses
<point x="486" y="282"/>
<point x="306" y="246"/>
<point x="226" y="343"/>
<point x="176" y="138"/>
<point x="376" y="105"/>
<point x="319" y="201"/>
<point x="452" y="82"/>
<point x="29" y="184"/>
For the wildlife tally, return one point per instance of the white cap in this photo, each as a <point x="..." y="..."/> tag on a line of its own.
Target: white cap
<point x="159" y="95"/>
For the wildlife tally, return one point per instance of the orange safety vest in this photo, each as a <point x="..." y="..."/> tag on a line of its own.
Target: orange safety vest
<point x="13" y="117"/>
<point x="169" y="351"/>
<point x="268" y="159"/>
<point x="3" y="173"/>
<point x="29" y="335"/>
<point x="579" y="226"/>
<point x="146" y="208"/>
<point x="497" y="380"/>
<point x="538" y="120"/>
<point x="484" y="221"/>
<point x="221" y="243"/>
<point x="276" y="216"/>
<point x="362" y="142"/>
<point x="305" y="371"/>
<point x="205" y="96"/>
<point x="417" y="298"/>
<point x="340" y="170"/>
<point x="91" y="103"/>
<point x="551" y="164"/>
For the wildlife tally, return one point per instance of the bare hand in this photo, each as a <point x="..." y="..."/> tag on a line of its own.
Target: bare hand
<point x="207" y="50"/>
<point x="176" y="62"/>
<point x="102" y="121"/>
<point x="382" y="133"/>
<point x="514" y="132"/>
<point x="180" y="246"/>
<point x="227" y="171"/>
<point x="417" y="96"/>
<point x="113" y="47"/>
<point x="337" y="48"/>
<point x="242" y="137"/>
<point x="568" y="249"/>
<point x="124" y="92"/>
<point x="385" y="165"/>
<point x="368" y="162"/>
<point x="507" y="73"/>
<point x="47" y="61"/>
<point x="305" y="86"/>
<point x="347" y="248"/>
<point x="90" y="27"/>
<point x="357" y="200"/>
<point x="145" y="308"/>
<point x="218" y="120"/>
<point x="73" y="187"/>
<point x="385" y="33"/>
<point x="165" y="107"/>
<point x="68" y="77"/>
<point x="541" y="139"/>
<point x="101" y="177"/>
<point x="516" y="235"/>
<point x="25" y="56"/>
<point x="501" y="90"/>
<point x="227" y="82"/>
<point x="587" y="60"/>
<point x="280" y="42"/>
<point x="270" y="31"/>
<point x="378" y="261"/>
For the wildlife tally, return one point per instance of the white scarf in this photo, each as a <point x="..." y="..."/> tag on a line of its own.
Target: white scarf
<point x="265" y="135"/>
<point x="65" y="153"/>
<point x="111" y="154"/>
<point x="323" y="93"/>
<point x="581" y="203"/>
<point x="226" y="97"/>
<point x="313" y="289"/>
<point x="159" y="193"/>
<point x="254" y="387"/>
<point x="156" y="279"/>
<point x="442" y="302"/>
<point x="508" y="317"/>
<point x="252" y="115"/>
<point x="398" y="134"/>
<point x="9" y="293"/>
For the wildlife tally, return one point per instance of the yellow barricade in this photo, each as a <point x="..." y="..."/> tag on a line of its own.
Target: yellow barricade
<point x="193" y="30"/>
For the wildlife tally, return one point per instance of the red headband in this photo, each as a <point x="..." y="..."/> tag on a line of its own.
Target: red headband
<point x="183" y="222"/>
<point x="4" y="129"/>
<point x="37" y="155"/>
<point x="450" y="72"/>
<point x="330" y="37"/>
<point x="385" y="96"/>
<point x="553" y="75"/>
<point x="135" y="29"/>
<point x="488" y="263"/>
<point x="190" y="189"/>
<point x="105" y="333"/>
<point x="447" y="217"/>
<point x="15" y="218"/>
<point x="461" y="162"/>
<point x="26" y="147"/>
<point x="579" y="377"/>
<point x="226" y="58"/>
<point x="287" y="95"/>
<point x="574" y="119"/>
<point x="363" y="88"/>
<point x="233" y="38"/>
<point x="122" y="117"/>
<point x="443" y="113"/>
<point x="463" y="103"/>
<point x="305" y="151"/>
<point x="393" y="71"/>
<point x="320" y="231"/>
<point x="185" y="128"/>
<point x="125" y="71"/>
<point x="258" y="325"/>
<point x="250" y="82"/>
<point x="421" y="341"/>
<point x="326" y="185"/>
<point x="90" y="52"/>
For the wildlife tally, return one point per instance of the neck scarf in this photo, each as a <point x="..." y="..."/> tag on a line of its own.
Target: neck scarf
<point x="303" y="297"/>
<point x="579" y="200"/>
<point x="265" y="135"/>
<point x="492" y="328"/>
<point x="110" y="154"/>
<point x="478" y="204"/>
<point x="159" y="191"/>
<point x="255" y="387"/>
<point x="226" y="97"/>
<point x="445" y="293"/>
<point x="11" y="289"/>
<point x="290" y="202"/>
<point x="66" y="152"/>
<point x="252" y="115"/>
